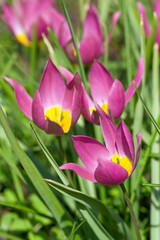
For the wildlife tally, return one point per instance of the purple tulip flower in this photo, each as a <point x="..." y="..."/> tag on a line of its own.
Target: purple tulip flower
<point x="55" y="107"/>
<point x="22" y="16"/>
<point x="107" y="93"/>
<point x="147" y="28"/>
<point x="91" y="45"/>
<point x="111" y="164"/>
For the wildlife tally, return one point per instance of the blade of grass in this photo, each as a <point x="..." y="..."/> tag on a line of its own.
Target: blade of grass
<point x="50" y="158"/>
<point x="18" y="187"/>
<point x="156" y="125"/>
<point x="22" y="208"/>
<point x="150" y="42"/>
<point x="144" y="163"/>
<point x="75" y="44"/>
<point x="151" y="184"/>
<point x="155" y="164"/>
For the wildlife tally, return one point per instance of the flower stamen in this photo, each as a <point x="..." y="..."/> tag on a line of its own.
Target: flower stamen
<point x="63" y="118"/>
<point x="124" y="162"/>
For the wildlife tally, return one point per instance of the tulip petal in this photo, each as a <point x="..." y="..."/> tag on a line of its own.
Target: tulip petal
<point x="9" y="16"/>
<point x="76" y="98"/>
<point x="23" y="99"/>
<point x="67" y="74"/>
<point x="52" y="87"/>
<point x="100" y="82"/>
<point x="91" y="45"/>
<point x="53" y="128"/>
<point x="58" y="19"/>
<point x="116" y="99"/>
<point x="131" y="89"/>
<point x="92" y="24"/>
<point x="38" y="112"/>
<point x="87" y="103"/>
<point x="108" y="130"/>
<point x="89" y="150"/>
<point x="64" y="35"/>
<point x="139" y="139"/>
<point x="142" y="12"/>
<point x="90" y="49"/>
<point x="39" y="118"/>
<point x="81" y="171"/>
<point x="124" y="141"/>
<point x="115" y="19"/>
<point x="109" y="173"/>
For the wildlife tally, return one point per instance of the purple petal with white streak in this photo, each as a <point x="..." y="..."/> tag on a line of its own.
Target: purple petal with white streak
<point x="52" y="87"/>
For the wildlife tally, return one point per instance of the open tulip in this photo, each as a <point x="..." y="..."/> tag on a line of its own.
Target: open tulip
<point x="23" y="16"/>
<point x="91" y="45"/>
<point x="107" y="93"/>
<point x="55" y="107"/>
<point x="147" y="28"/>
<point x="111" y="164"/>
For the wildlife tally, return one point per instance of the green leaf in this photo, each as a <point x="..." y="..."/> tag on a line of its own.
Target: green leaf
<point x="87" y="201"/>
<point x="151" y="184"/>
<point x="75" y="44"/>
<point x="9" y="236"/>
<point x="35" y="177"/>
<point x="147" y="111"/>
<point x="50" y="158"/>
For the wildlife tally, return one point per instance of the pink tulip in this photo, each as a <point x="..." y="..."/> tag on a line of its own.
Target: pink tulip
<point x="23" y="16"/>
<point x="111" y="164"/>
<point x="107" y="93"/>
<point x="91" y="45"/>
<point x="55" y="107"/>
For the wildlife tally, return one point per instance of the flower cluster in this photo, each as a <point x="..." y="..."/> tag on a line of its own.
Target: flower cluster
<point x="111" y="164"/>
<point x="57" y="105"/>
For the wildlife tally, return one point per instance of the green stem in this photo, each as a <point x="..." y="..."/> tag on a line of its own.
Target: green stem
<point x="75" y="44"/>
<point x="18" y="188"/>
<point x="131" y="210"/>
<point x="64" y="159"/>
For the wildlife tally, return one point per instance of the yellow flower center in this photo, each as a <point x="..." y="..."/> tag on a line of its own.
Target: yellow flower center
<point x="75" y="52"/>
<point x="63" y="118"/>
<point x="22" y="38"/>
<point x="104" y="107"/>
<point x="124" y="162"/>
